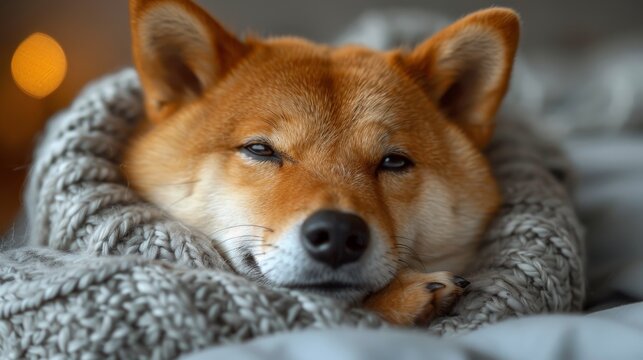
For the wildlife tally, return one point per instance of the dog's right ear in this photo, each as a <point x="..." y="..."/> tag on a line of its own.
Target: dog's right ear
<point x="179" y="51"/>
<point x="465" y="68"/>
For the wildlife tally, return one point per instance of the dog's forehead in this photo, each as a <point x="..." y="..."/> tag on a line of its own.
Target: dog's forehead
<point x="351" y="96"/>
<point x="347" y="85"/>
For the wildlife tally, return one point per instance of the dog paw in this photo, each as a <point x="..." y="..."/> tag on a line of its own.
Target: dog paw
<point x="442" y="291"/>
<point x="414" y="298"/>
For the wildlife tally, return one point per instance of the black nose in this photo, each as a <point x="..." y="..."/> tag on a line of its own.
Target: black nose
<point x="334" y="237"/>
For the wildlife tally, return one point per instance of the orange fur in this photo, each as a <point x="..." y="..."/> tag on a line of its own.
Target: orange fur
<point x="333" y="113"/>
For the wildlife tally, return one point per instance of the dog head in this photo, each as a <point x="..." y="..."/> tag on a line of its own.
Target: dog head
<point x="320" y="168"/>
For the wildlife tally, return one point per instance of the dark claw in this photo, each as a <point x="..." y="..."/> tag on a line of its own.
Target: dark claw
<point x="460" y="281"/>
<point x="434" y="286"/>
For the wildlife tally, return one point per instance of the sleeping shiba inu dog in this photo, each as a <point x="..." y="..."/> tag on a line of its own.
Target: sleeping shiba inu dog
<point x="343" y="171"/>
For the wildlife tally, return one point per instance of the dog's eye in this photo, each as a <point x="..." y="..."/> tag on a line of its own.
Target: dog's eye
<point x="260" y="151"/>
<point x="395" y="162"/>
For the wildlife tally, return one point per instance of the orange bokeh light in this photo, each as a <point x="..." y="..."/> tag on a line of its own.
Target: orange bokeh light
<point x="38" y="65"/>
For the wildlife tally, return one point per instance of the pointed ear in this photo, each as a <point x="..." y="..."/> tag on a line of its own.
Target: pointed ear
<point x="179" y="52"/>
<point x="465" y="68"/>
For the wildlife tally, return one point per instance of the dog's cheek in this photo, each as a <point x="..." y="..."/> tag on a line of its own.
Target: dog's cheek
<point x="399" y="195"/>
<point x="217" y="201"/>
<point x="438" y="231"/>
<point x="448" y="222"/>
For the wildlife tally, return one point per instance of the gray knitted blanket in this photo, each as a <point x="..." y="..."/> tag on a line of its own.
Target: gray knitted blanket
<point x="116" y="277"/>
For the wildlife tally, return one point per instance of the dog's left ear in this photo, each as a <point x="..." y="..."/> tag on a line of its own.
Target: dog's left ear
<point x="180" y="51"/>
<point x="465" y="68"/>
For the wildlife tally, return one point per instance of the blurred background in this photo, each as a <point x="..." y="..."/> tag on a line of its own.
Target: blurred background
<point x="95" y="37"/>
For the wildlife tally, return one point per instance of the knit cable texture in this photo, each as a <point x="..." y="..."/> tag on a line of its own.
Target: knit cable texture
<point x="116" y="277"/>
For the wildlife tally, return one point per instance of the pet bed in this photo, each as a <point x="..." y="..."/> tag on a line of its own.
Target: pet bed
<point x="116" y="277"/>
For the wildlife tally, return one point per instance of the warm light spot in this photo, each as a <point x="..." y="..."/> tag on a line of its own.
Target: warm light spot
<point x="39" y="65"/>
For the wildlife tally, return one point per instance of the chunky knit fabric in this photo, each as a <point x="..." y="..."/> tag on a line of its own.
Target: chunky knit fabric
<point x="118" y="278"/>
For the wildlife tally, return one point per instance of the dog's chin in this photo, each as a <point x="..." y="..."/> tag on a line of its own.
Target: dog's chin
<point x="341" y="290"/>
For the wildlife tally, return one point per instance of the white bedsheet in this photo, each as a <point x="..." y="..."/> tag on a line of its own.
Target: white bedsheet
<point x="611" y="334"/>
<point x="610" y="204"/>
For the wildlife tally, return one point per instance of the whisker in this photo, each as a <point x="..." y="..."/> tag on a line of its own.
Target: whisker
<point x="226" y="252"/>
<point x="411" y="253"/>
<point x="245" y="242"/>
<point x="248" y="244"/>
<point x="241" y="225"/>
<point x="246" y="238"/>
<point x="404" y="262"/>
